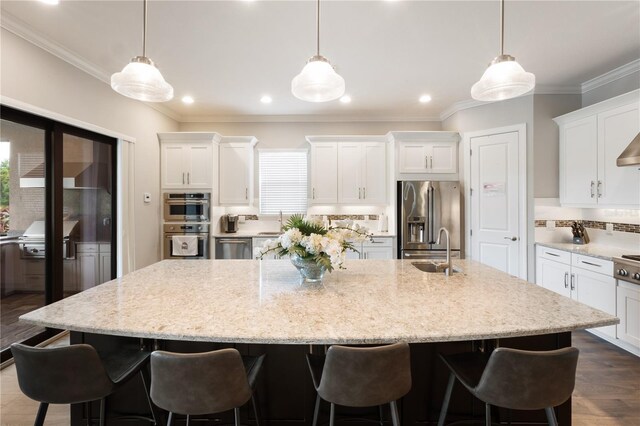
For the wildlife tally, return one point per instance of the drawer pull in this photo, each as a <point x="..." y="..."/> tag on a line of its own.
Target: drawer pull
<point x="592" y="264"/>
<point x="377" y="242"/>
<point x="552" y="254"/>
<point x="566" y="277"/>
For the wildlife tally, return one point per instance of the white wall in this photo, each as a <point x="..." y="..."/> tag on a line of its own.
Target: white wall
<point x="31" y="75"/>
<point x="614" y="88"/>
<point x="546" y="145"/>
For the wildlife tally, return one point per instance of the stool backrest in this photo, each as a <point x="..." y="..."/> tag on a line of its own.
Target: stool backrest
<point x="364" y="377"/>
<point x="63" y="375"/>
<point x="201" y="383"/>
<point x="526" y="380"/>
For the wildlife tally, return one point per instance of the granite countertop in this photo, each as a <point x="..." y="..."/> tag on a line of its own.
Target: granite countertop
<point x="594" y="250"/>
<point x="372" y="301"/>
<point x="256" y="233"/>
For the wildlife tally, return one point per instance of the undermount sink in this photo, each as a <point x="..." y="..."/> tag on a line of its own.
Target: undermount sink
<point x="432" y="267"/>
<point x="275" y="233"/>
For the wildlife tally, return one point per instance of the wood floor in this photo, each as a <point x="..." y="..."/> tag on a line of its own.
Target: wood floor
<point x="11" y="307"/>
<point x="607" y="389"/>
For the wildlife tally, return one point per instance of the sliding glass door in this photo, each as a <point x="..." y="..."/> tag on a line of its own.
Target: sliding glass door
<point x="57" y="217"/>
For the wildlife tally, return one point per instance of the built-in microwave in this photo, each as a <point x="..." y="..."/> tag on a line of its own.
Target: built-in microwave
<point x="186" y="207"/>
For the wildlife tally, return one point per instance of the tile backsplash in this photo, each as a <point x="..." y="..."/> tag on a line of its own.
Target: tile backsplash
<point x="593" y="224"/>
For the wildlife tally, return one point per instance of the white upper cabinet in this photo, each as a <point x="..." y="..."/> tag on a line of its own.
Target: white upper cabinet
<point x="591" y="139"/>
<point x="187" y="160"/>
<point x="349" y="170"/>
<point x="324" y="173"/>
<point x="236" y="170"/>
<point x="427" y="153"/>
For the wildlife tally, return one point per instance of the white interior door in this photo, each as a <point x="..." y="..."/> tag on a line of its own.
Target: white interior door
<point x="495" y="201"/>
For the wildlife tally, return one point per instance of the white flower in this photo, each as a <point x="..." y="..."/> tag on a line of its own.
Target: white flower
<point x="292" y="237"/>
<point x="315" y="220"/>
<point x="314" y="243"/>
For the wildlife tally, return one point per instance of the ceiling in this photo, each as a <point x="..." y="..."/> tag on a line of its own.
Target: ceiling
<point x="228" y="54"/>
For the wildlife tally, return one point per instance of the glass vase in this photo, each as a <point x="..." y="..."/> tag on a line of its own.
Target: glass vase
<point x="309" y="270"/>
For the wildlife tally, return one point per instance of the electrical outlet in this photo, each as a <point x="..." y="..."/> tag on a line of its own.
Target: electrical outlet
<point x="551" y="224"/>
<point x="609" y="228"/>
<point x="147" y="197"/>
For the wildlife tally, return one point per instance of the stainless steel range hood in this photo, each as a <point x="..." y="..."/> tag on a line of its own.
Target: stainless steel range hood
<point x="631" y="155"/>
<point x="75" y="176"/>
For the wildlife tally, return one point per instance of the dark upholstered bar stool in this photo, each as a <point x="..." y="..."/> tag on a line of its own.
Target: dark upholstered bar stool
<point x="515" y="379"/>
<point x="204" y="383"/>
<point x="361" y="377"/>
<point x="75" y="374"/>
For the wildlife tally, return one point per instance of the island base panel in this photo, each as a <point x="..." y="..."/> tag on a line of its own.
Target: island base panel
<point x="286" y="396"/>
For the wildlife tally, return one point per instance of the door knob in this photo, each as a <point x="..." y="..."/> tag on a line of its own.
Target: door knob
<point x="511" y="238"/>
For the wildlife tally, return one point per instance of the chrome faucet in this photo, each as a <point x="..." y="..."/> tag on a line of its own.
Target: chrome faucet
<point x="447" y="264"/>
<point x="280" y="220"/>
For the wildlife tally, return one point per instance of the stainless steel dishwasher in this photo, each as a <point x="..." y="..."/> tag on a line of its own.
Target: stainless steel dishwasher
<point x="233" y="248"/>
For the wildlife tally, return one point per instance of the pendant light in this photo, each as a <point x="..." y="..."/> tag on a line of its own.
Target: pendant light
<point x="318" y="81"/>
<point x="505" y="78"/>
<point x="140" y="79"/>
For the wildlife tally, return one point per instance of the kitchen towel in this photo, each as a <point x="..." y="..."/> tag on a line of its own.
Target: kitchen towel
<point x="184" y="245"/>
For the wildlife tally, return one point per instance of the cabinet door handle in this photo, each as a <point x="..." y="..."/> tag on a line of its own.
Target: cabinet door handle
<point x="246" y="193"/>
<point x="592" y="264"/>
<point x="592" y="188"/>
<point x="573" y="286"/>
<point x="188" y="178"/>
<point x="183" y="178"/>
<point x="566" y="280"/>
<point x="550" y="254"/>
<point x="364" y="193"/>
<point x="431" y="162"/>
<point x="599" y="189"/>
<point x="313" y="193"/>
<point x="359" y="193"/>
<point x="426" y="161"/>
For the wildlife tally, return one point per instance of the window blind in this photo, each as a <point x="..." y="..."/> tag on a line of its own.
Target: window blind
<point x="283" y="182"/>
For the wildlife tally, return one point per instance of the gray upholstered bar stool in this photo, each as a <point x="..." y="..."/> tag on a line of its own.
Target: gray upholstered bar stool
<point x="361" y="377"/>
<point x="75" y="374"/>
<point x="515" y="379"/>
<point x="204" y="383"/>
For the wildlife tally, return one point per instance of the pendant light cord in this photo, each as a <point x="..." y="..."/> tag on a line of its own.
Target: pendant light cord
<point x="144" y="30"/>
<point x="318" y="28"/>
<point x="501" y="27"/>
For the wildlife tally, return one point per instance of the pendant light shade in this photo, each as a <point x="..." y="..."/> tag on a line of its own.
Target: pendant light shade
<point x="505" y="78"/>
<point x="318" y="81"/>
<point x="140" y="79"/>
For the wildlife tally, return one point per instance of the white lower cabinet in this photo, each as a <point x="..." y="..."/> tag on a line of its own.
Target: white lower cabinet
<point x="628" y="301"/>
<point x="556" y="270"/>
<point x="259" y="242"/>
<point x="377" y="248"/>
<point x="93" y="264"/>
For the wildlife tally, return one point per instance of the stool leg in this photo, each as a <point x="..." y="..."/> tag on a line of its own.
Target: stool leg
<point x="316" y="411"/>
<point x="188" y="419"/>
<point x="447" y="399"/>
<point x="487" y="414"/>
<point x="551" y="416"/>
<point x="256" y="407"/>
<point x="236" y="414"/>
<point x="144" y="375"/>
<point x="332" y="415"/>
<point x="380" y="415"/>
<point x="42" y="413"/>
<point x="394" y="413"/>
<point x="103" y="410"/>
<point x="170" y="419"/>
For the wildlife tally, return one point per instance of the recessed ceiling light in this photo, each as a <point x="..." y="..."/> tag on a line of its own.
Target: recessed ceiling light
<point x="54" y="2"/>
<point x="187" y="99"/>
<point x="425" y="98"/>
<point x="345" y="99"/>
<point x="266" y="99"/>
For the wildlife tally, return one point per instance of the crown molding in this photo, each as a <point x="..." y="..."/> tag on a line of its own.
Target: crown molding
<point x="568" y="89"/>
<point x="304" y="118"/>
<point x="611" y="76"/>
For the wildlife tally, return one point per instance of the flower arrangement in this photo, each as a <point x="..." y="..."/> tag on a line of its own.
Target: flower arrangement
<point x="309" y="239"/>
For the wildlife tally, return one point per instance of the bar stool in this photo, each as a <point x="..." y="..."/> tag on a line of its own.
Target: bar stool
<point x="75" y="374"/>
<point x="204" y="383"/>
<point x="515" y="379"/>
<point x="361" y="377"/>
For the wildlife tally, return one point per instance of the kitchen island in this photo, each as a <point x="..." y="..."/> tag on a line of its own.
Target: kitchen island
<point x="261" y="307"/>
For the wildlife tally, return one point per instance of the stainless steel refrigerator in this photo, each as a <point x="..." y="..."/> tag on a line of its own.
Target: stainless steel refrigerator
<point x="423" y="208"/>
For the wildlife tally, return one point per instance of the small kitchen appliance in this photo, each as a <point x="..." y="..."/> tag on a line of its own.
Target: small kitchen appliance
<point x="230" y="223"/>
<point x="186" y="207"/>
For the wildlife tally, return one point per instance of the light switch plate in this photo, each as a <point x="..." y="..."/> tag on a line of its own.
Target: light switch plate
<point x="609" y="228"/>
<point x="551" y="224"/>
<point x="147" y="197"/>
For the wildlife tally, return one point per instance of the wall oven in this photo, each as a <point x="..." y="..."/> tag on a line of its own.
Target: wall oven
<point x="187" y="207"/>
<point x="200" y="232"/>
